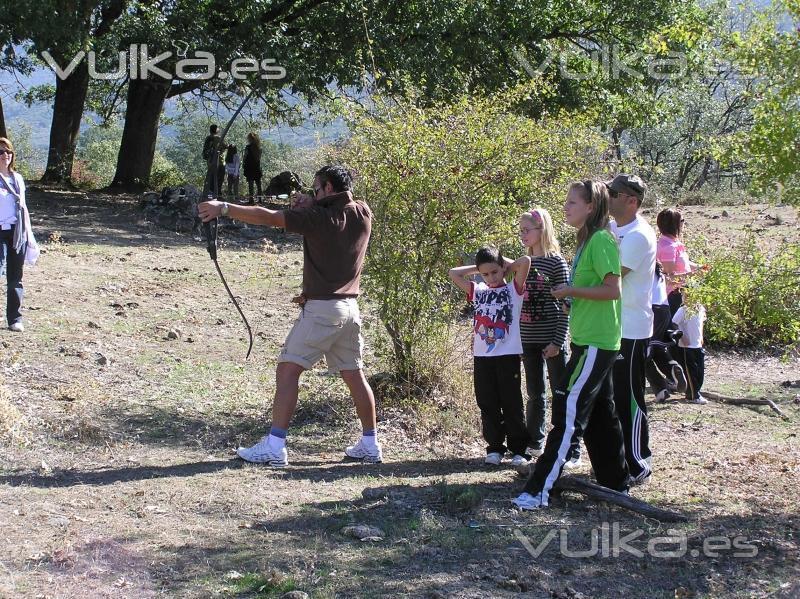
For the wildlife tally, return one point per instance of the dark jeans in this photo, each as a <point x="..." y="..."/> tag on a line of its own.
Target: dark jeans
<point x="584" y="407"/>
<point x="233" y="186"/>
<point x="14" y="263"/>
<point x="534" y="364"/>
<point x="250" y="186"/>
<point x="499" y="396"/>
<point x="693" y="360"/>
<point x="208" y="186"/>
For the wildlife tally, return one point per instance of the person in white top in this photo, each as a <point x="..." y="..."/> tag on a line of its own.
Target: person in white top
<point x="690" y="318"/>
<point x="637" y="248"/>
<point x="496" y="347"/>
<point x="15" y="233"/>
<point x="232" y="169"/>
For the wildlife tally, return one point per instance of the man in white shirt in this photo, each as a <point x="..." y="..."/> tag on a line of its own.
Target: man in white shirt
<point x="637" y="248"/>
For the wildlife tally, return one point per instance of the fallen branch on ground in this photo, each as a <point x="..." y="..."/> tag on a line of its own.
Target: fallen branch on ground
<point x="595" y="491"/>
<point x="745" y="401"/>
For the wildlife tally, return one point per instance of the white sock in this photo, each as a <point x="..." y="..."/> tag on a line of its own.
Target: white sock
<point x="276" y="442"/>
<point x="369" y="441"/>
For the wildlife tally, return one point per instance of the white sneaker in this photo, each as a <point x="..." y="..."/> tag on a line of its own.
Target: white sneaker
<point x="662" y="396"/>
<point x="360" y="451"/>
<point x="573" y="463"/>
<point x="700" y="400"/>
<point x="526" y="501"/>
<point x="17" y="327"/>
<point x="262" y="453"/>
<point x="493" y="459"/>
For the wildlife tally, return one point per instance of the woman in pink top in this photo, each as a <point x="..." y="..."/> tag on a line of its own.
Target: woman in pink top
<point x="672" y="254"/>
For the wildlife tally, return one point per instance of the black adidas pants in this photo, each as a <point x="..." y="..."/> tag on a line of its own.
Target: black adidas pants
<point x="628" y="374"/>
<point x="584" y="407"/>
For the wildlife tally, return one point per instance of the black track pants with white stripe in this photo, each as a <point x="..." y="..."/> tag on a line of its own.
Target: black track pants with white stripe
<point x="584" y="407"/>
<point x="628" y="374"/>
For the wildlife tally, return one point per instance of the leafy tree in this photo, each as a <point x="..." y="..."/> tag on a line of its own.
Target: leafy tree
<point x="771" y="50"/>
<point x="445" y="180"/>
<point x="63" y="28"/>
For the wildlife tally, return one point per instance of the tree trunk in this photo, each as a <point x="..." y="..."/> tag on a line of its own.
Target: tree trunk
<point x="135" y="159"/>
<point x="66" y="124"/>
<point x="3" y="132"/>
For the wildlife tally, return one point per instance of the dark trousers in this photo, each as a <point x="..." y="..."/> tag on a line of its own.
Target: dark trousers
<point x="584" y="407"/>
<point x="214" y="180"/>
<point x="675" y="299"/>
<point x="628" y="375"/>
<point x="499" y="396"/>
<point x="659" y="359"/>
<point x="693" y="360"/>
<point x="250" y="186"/>
<point x="536" y="407"/>
<point x="233" y="186"/>
<point x="14" y="263"/>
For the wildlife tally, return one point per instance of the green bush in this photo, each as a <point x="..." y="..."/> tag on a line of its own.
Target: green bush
<point x="443" y="181"/>
<point x="751" y="297"/>
<point x="164" y="173"/>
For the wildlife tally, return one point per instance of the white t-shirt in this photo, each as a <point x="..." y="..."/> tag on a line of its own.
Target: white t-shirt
<point x="495" y="324"/>
<point x="8" y="203"/>
<point x="637" y="251"/>
<point x="692" y="327"/>
<point x="659" y="293"/>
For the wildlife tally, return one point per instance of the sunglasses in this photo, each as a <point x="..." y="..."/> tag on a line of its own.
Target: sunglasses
<point x="4" y="151"/>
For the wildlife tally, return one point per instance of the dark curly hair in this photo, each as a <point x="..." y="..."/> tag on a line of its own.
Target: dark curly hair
<point x="337" y="175"/>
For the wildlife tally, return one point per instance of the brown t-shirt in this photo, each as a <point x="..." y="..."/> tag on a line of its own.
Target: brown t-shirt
<point x="335" y="234"/>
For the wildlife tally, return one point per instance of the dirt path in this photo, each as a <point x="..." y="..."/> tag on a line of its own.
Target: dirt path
<point x="125" y="397"/>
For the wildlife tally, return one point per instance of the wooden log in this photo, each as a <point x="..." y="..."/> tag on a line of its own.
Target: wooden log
<point x="746" y="401"/>
<point x="595" y="491"/>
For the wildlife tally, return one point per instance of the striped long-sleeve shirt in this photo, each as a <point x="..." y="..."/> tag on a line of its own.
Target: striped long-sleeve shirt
<point x="543" y="320"/>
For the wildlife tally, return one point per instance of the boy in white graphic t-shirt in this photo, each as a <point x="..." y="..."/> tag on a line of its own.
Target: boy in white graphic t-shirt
<point x="690" y="353"/>
<point x="496" y="347"/>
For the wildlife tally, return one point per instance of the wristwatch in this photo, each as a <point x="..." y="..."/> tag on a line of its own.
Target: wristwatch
<point x="225" y="208"/>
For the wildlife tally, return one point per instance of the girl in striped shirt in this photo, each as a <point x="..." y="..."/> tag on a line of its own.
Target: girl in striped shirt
<point x="544" y="321"/>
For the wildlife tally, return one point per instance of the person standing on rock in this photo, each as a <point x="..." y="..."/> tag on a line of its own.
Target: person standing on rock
<point x="637" y="250"/>
<point x="336" y="230"/>
<point x="215" y="165"/>
<point x="251" y="167"/>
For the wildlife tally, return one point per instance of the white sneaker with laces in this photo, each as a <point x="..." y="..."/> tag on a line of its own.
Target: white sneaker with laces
<point x="493" y="459"/>
<point x="700" y="400"/>
<point x="361" y="451"/>
<point x="526" y="501"/>
<point x="17" y="327"/>
<point x="535" y="453"/>
<point x="573" y="463"/>
<point x="262" y="453"/>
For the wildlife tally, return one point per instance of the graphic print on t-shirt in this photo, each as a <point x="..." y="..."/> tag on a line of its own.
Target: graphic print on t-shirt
<point x="494" y="315"/>
<point x="536" y="296"/>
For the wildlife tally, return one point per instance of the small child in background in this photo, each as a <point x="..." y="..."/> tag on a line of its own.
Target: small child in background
<point x="689" y="318"/>
<point x="544" y="323"/>
<point x="496" y="348"/>
<point x="232" y="169"/>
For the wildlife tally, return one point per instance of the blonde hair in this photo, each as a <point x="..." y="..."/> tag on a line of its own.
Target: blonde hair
<point x="550" y="245"/>
<point x="6" y="144"/>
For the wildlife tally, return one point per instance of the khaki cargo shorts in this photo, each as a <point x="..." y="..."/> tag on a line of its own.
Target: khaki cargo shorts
<point x="330" y="328"/>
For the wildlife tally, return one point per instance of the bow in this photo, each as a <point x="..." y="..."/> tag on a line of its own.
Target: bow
<point x="210" y="227"/>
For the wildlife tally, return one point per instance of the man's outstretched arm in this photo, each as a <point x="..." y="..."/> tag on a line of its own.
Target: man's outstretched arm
<point x="254" y="215"/>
